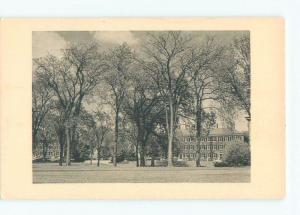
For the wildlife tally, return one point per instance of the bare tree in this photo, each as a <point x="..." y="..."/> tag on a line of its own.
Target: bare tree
<point x="164" y="54"/>
<point x="41" y="105"/>
<point x="102" y="128"/>
<point x="234" y="78"/>
<point x="203" y="68"/>
<point x="71" y="78"/>
<point x="144" y="107"/>
<point x="119" y="61"/>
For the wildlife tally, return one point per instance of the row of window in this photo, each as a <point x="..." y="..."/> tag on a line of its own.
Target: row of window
<point x="187" y="127"/>
<point x="193" y="147"/>
<point x="48" y="153"/>
<point x="203" y="155"/>
<point x="223" y="138"/>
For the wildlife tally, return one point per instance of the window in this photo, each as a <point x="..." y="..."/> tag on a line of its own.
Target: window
<point x="197" y="147"/>
<point x="191" y="155"/>
<point x="215" y="155"/>
<point x="192" y="147"/>
<point x="221" y="146"/>
<point x="215" y="146"/>
<point x="221" y="156"/>
<point x="204" y="155"/>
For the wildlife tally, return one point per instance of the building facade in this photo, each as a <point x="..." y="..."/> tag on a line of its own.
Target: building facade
<point x="212" y="147"/>
<point x="50" y="152"/>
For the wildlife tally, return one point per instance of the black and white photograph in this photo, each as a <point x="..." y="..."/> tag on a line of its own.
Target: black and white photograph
<point x="141" y="107"/>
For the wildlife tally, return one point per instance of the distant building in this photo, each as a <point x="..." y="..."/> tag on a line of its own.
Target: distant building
<point x="212" y="146"/>
<point x="51" y="152"/>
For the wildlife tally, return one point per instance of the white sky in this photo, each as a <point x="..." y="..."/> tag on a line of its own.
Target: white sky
<point x="44" y="43"/>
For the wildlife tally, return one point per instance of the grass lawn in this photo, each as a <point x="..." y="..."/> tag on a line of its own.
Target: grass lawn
<point x="128" y="173"/>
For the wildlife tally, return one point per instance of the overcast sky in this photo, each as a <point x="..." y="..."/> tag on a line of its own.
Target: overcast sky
<point x="44" y="42"/>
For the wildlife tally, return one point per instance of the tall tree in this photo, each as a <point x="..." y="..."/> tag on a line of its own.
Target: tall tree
<point x="71" y="77"/>
<point x="102" y="128"/>
<point x="144" y="107"/>
<point x="164" y="54"/>
<point x="45" y="137"/>
<point x="41" y="105"/>
<point x="203" y="86"/>
<point x="119" y="61"/>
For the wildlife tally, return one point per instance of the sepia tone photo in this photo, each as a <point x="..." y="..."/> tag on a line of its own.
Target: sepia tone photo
<point x="162" y="104"/>
<point x="141" y="106"/>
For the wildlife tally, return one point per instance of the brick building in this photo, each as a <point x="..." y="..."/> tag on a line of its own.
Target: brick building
<point x="212" y="146"/>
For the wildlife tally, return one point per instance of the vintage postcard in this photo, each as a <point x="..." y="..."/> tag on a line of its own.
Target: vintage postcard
<point x="142" y="108"/>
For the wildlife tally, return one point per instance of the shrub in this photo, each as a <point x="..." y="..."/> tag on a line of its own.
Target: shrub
<point x="128" y="156"/>
<point x="220" y="164"/>
<point x="237" y="154"/>
<point x="180" y="164"/>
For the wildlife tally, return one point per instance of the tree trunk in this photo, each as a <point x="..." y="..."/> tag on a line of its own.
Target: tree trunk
<point x="68" y="160"/>
<point x="74" y="143"/>
<point x="198" y="159"/>
<point x="98" y="156"/>
<point x="137" y="154"/>
<point x="91" y="156"/>
<point x="61" y="139"/>
<point x="142" y="155"/>
<point x="44" y="151"/>
<point x="34" y="137"/>
<point x="74" y="137"/>
<point x="116" y="138"/>
<point x="152" y="160"/>
<point x="170" y="132"/>
<point x="152" y="154"/>
<point x="198" y="131"/>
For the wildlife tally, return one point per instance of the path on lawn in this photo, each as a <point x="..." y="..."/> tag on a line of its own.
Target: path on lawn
<point x="128" y="173"/>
